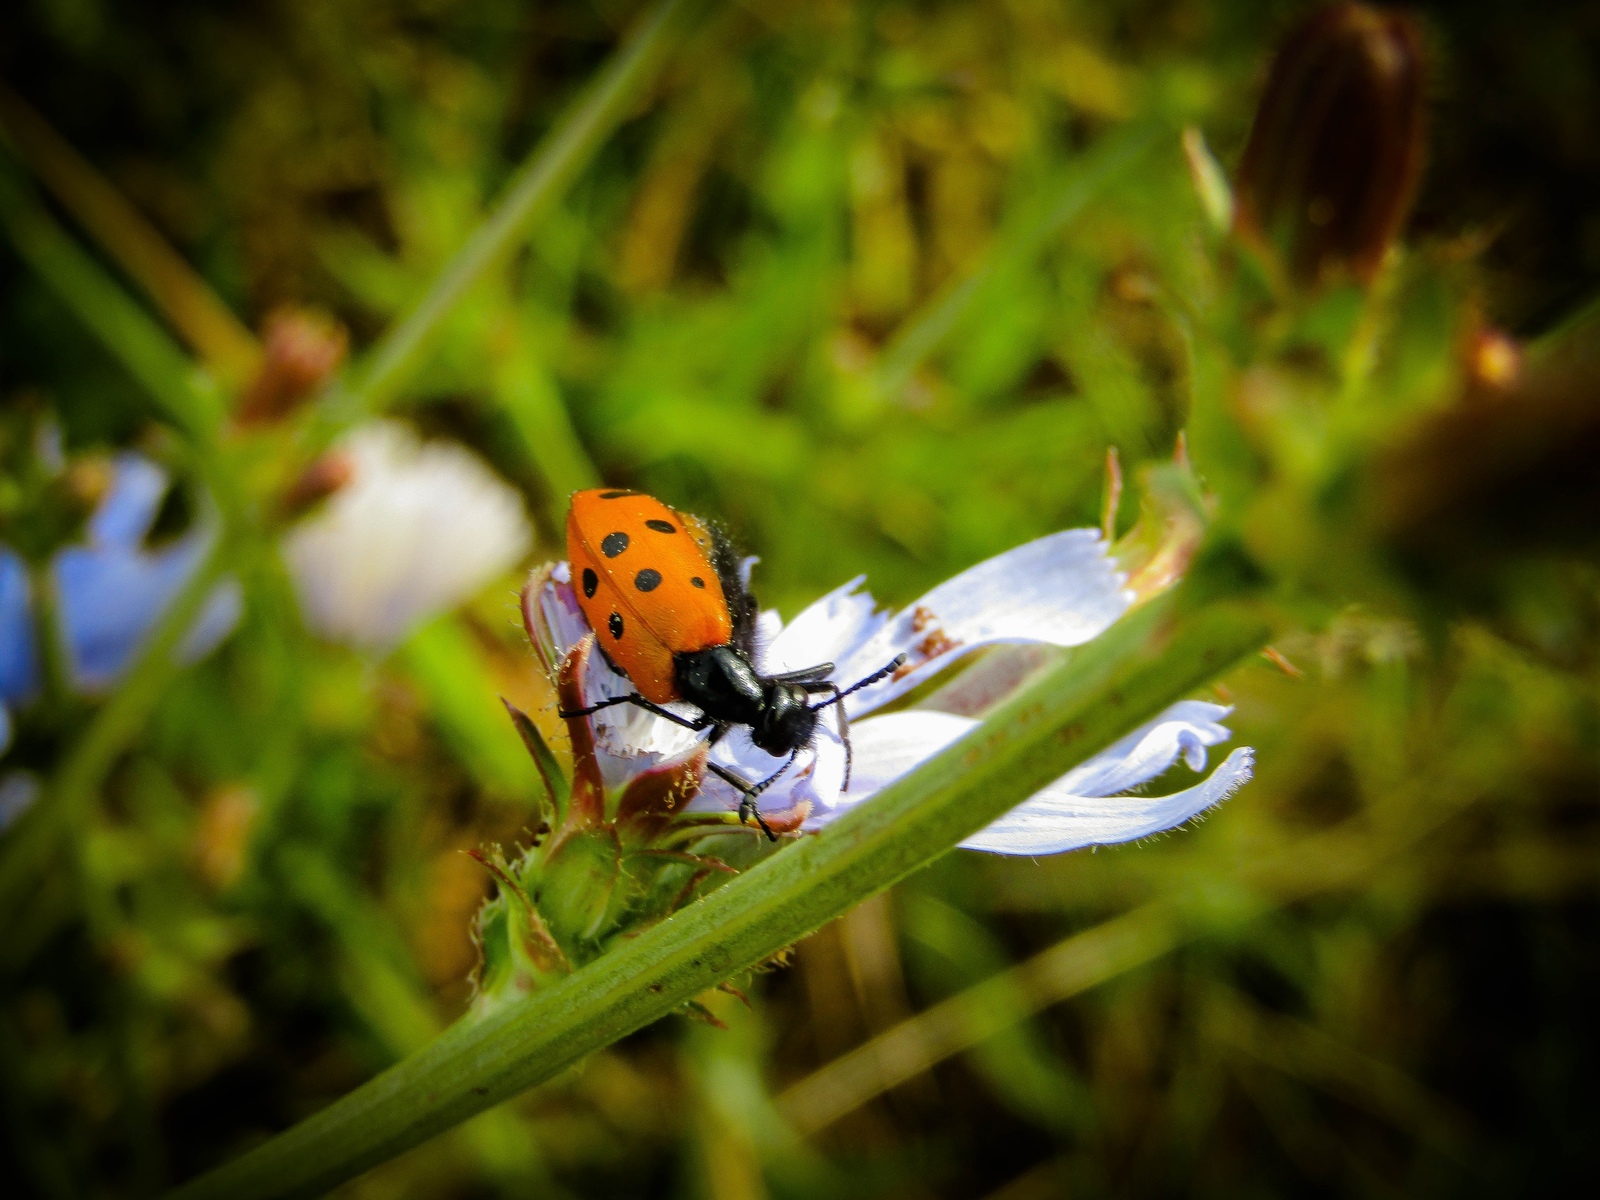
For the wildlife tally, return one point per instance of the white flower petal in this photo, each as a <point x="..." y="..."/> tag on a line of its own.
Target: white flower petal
<point x="885" y="748"/>
<point x="555" y="622"/>
<point x="1184" y="730"/>
<point x="830" y="630"/>
<point x="1062" y="589"/>
<point x="813" y="779"/>
<point x="1054" y="820"/>
<point x="1077" y="810"/>
<point x="419" y="528"/>
<point x="629" y="739"/>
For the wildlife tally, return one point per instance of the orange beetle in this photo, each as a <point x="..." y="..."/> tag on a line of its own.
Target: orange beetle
<point x="662" y="592"/>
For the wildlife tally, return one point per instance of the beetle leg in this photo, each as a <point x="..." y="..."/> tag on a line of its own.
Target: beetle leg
<point x="844" y="721"/>
<point x="747" y="798"/>
<point x="698" y="724"/>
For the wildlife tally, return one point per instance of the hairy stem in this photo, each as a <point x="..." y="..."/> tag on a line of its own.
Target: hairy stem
<point x="1159" y="654"/>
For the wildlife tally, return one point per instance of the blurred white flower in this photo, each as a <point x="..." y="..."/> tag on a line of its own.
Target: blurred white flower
<point x="1060" y="590"/>
<point x="418" y="528"/>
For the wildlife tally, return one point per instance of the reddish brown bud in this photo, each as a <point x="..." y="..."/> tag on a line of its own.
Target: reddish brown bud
<point x="300" y="349"/>
<point x="1335" y="153"/>
<point x="317" y="482"/>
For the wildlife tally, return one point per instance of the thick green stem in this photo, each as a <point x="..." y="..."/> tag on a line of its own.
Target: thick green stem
<point x="1156" y="656"/>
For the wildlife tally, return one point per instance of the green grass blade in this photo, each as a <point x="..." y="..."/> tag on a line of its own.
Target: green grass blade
<point x="178" y="292"/>
<point x="30" y="852"/>
<point x="1086" y="180"/>
<point x="1156" y="656"/>
<point x="538" y="184"/>
<point x="132" y="336"/>
<point x="446" y="663"/>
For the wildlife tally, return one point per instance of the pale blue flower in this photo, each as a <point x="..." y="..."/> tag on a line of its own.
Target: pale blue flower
<point x="19" y="791"/>
<point x="19" y="659"/>
<point x="1061" y="590"/>
<point x="112" y="591"/>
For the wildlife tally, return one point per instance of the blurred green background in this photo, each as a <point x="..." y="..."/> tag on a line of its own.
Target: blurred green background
<point x="836" y="281"/>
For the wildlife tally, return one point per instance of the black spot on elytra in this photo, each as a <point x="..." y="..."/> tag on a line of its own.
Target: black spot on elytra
<point x="661" y="526"/>
<point x="590" y="582"/>
<point x="613" y="544"/>
<point x="615" y="625"/>
<point x="696" y="581"/>
<point x="647" y="580"/>
<point x="615" y="495"/>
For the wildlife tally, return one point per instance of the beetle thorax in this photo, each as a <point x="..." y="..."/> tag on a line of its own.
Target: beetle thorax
<point x="723" y="684"/>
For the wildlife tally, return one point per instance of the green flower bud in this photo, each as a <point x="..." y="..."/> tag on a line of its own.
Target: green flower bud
<point x="607" y="859"/>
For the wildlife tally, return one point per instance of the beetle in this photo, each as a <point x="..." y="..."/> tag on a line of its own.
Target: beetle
<point x="663" y="594"/>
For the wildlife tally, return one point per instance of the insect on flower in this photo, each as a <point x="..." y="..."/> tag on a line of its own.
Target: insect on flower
<point x="663" y="594"/>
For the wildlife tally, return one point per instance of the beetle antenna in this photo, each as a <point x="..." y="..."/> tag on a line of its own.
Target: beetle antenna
<point x="844" y="721"/>
<point x="773" y="778"/>
<point x="886" y="669"/>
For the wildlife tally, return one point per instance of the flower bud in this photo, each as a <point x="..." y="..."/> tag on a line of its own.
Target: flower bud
<point x="1334" y="155"/>
<point x="321" y="479"/>
<point x="300" y="349"/>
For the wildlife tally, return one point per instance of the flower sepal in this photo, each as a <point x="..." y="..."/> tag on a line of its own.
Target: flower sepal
<point x="616" y="849"/>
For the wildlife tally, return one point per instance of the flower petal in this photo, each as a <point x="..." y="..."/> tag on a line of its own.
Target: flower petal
<point x="1063" y="589"/>
<point x="129" y="508"/>
<point x="217" y="619"/>
<point x="551" y="615"/>
<point x="1183" y="731"/>
<point x="19" y="659"/>
<point x="1076" y="810"/>
<point x="109" y="597"/>
<point x="419" y="528"/>
<point x="1055" y="820"/>
<point x="832" y="629"/>
<point x="19" y="790"/>
<point x="885" y="748"/>
<point x="810" y="782"/>
<point x="627" y="738"/>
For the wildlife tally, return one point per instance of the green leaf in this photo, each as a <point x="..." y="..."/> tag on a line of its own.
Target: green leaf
<point x="556" y="784"/>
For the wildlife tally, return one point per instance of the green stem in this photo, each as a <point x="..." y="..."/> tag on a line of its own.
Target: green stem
<point x="65" y="806"/>
<point x="1153" y="658"/>
<point x="539" y="182"/>
<point x="89" y="292"/>
<point x="176" y="289"/>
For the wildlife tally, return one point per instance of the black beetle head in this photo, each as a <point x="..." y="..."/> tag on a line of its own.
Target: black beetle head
<point x="787" y="720"/>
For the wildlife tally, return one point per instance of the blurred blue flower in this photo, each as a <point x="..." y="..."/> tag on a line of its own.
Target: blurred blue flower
<point x="19" y="663"/>
<point x="113" y="590"/>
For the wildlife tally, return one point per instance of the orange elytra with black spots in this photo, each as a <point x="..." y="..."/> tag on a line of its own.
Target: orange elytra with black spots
<point x="645" y="581"/>
<point x="663" y="593"/>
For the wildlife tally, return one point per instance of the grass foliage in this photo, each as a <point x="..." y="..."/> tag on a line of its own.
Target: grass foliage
<point x="876" y="285"/>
